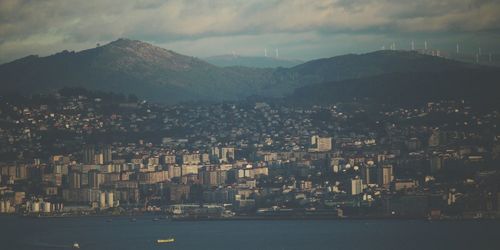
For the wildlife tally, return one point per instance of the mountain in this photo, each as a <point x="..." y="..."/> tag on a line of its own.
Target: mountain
<point x="251" y="61"/>
<point x="381" y="62"/>
<point x="362" y="66"/>
<point x="129" y="66"/>
<point x="478" y="85"/>
<point x="402" y="77"/>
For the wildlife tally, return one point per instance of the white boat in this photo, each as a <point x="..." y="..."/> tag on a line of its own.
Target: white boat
<point x="76" y="245"/>
<point x="169" y="240"/>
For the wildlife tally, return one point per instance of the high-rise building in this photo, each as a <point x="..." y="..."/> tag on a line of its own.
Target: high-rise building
<point x="89" y="155"/>
<point x="321" y="144"/>
<point x="205" y="158"/>
<point x="356" y="186"/>
<point x="174" y="171"/>
<point x="169" y="159"/>
<point x="4" y="207"/>
<point x="46" y="207"/>
<point x="153" y="161"/>
<point x="213" y="178"/>
<point x="75" y="179"/>
<point x="368" y="174"/>
<point x="227" y="154"/>
<point x="95" y="179"/>
<point x="385" y="175"/>
<point x="35" y="207"/>
<point x="189" y="169"/>
<point x="324" y="144"/>
<point x="99" y="159"/>
<point x="107" y="154"/>
<point x="191" y="159"/>
<point x="216" y="153"/>
<point x="110" y="199"/>
<point x="102" y="200"/>
<point x="314" y="140"/>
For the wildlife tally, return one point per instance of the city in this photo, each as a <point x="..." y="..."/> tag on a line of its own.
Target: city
<point x="79" y="152"/>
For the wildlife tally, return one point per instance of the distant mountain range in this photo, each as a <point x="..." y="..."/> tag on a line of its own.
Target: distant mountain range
<point x="128" y="66"/>
<point x="251" y="61"/>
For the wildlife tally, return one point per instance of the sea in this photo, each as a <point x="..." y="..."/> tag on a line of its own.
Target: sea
<point x="18" y="233"/>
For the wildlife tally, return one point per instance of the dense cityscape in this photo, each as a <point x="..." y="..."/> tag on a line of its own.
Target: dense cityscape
<point x="78" y="152"/>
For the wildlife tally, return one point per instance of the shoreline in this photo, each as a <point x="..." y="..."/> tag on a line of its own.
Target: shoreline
<point x="316" y="218"/>
<point x="162" y="217"/>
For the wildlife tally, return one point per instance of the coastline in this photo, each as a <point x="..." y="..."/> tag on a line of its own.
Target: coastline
<point x="164" y="217"/>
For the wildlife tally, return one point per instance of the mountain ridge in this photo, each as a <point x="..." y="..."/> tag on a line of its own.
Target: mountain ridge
<point x="131" y="66"/>
<point x="126" y="65"/>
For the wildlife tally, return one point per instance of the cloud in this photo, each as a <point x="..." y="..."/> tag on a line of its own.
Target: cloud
<point x="38" y="26"/>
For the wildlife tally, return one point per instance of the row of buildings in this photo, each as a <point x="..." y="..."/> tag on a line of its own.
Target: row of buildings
<point x="354" y="159"/>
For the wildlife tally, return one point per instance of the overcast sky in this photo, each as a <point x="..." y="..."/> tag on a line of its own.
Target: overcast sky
<point x="301" y="29"/>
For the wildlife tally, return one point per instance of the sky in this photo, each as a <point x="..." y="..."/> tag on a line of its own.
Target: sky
<point x="300" y="29"/>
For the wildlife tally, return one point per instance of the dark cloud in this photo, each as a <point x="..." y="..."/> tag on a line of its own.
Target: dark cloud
<point x="48" y="26"/>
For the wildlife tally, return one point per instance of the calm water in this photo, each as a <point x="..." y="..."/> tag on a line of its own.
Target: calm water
<point x="96" y="233"/>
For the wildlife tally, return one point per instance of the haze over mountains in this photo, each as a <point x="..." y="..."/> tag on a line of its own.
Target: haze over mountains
<point x="128" y="66"/>
<point x="252" y="61"/>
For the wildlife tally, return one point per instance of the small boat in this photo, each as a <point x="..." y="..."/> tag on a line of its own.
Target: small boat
<point x="109" y="220"/>
<point x="133" y="220"/>
<point x="156" y="219"/>
<point x="169" y="240"/>
<point x="76" y="245"/>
